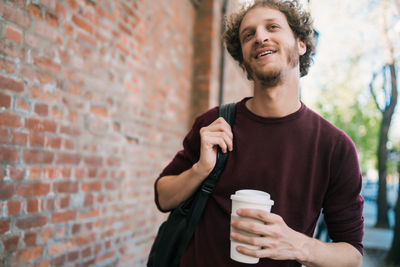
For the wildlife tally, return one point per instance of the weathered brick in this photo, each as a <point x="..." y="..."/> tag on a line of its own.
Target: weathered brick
<point x="33" y="189"/>
<point x="10" y="243"/>
<point x="14" y="207"/>
<point x="8" y="154"/>
<point x="7" y="65"/>
<point x="36" y="140"/>
<point x="32" y="205"/>
<point x="10" y="119"/>
<point x="6" y="190"/>
<point x="14" y="14"/>
<point x="18" y="138"/>
<point x="27" y="255"/>
<point x="42" y="109"/>
<point x="65" y="187"/>
<point x="4" y="226"/>
<point x="40" y="125"/>
<point x="12" y="49"/>
<point x="16" y="172"/>
<point x="47" y="64"/>
<point x="80" y="22"/>
<point x="91" y="186"/>
<point x="31" y="222"/>
<point x="65" y="216"/>
<point x="11" y="84"/>
<point x="51" y="19"/>
<point x="13" y="34"/>
<point x="30" y="239"/>
<point x="38" y="156"/>
<point x="35" y="11"/>
<point x="5" y="101"/>
<point x="65" y="158"/>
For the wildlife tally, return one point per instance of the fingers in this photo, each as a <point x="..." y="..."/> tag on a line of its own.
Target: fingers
<point x="217" y="133"/>
<point x="266" y="217"/>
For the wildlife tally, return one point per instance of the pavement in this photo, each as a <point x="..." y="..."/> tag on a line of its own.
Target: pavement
<point x="377" y="241"/>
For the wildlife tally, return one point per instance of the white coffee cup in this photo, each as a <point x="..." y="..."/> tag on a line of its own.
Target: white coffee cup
<point x="248" y="199"/>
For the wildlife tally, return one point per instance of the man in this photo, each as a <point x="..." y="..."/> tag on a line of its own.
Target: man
<point x="277" y="145"/>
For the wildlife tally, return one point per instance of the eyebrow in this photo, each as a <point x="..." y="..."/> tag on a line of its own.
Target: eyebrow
<point x="249" y="27"/>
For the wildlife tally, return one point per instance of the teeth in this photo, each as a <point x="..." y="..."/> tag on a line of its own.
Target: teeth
<point x="264" y="53"/>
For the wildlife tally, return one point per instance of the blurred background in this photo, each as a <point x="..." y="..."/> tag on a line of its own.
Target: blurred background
<point x="97" y="95"/>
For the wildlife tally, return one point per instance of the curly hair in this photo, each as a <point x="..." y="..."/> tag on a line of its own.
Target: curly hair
<point x="299" y="21"/>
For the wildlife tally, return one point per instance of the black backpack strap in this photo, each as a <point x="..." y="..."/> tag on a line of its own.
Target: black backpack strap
<point x="228" y="112"/>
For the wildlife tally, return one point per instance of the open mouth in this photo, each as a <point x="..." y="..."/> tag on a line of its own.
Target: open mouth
<point x="264" y="53"/>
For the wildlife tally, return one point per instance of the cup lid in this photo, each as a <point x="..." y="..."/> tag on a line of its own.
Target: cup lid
<point x="253" y="196"/>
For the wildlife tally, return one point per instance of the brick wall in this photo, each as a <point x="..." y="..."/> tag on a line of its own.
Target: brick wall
<point x="94" y="100"/>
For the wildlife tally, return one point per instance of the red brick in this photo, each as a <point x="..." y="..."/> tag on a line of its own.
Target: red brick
<point x="44" y="95"/>
<point x="3" y="136"/>
<point x="51" y="19"/>
<point x="27" y="255"/>
<point x="18" y="138"/>
<point x="11" y="243"/>
<point x="42" y="109"/>
<point x="91" y="186"/>
<point x="47" y="234"/>
<point x="89" y="200"/>
<point x="64" y="202"/>
<point x="61" y="10"/>
<point x="65" y="216"/>
<point x="47" y="64"/>
<point x="64" y="158"/>
<point x="15" y="15"/>
<point x="53" y="142"/>
<point x="70" y="130"/>
<point x="85" y="38"/>
<point x="40" y="125"/>
<point x="35" y="11"/>
<point x="4" y="226"/>
<point x="32" y="40"/>
<point x="33" y="189"/>
<point x="5" y="101"/>
<point x="16" y="172"/>
<point x="38" y="156"/>
<point x="7" y="65"/>
<point x="36" y="140"/>
<point x="65" y="187"/>
<point x="84" y="239"/>
<point x="43" y="263"/>
<point x="111" y="185"/>
<point x="48" y="32"/>
<point x="21" y="104"/>
<point x="32" y="205"/>
<point x="73" y="255"/>
<point x="6" y="190"/>
<point x="14" y="207"/>
<point x="50" y="4"/>
<point x="31" y="222"/>
<point x="81" y="22"/>
<point x="12" y="49"/>
<point x="94" y="161"/>
<point x="34" y="172"/>
<point x="30" y="239"/>
<point x="18" y="3"/>
<point x="10" y="119"/>
<point x="8" y="154"/>
<point x="100" y="111"/>
<point x="13" y="34"/>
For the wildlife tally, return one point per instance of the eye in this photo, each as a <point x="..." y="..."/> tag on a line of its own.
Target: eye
<point x="247" y="36"/>
<point x="273" y="27"/>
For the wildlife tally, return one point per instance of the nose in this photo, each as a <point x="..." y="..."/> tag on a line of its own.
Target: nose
<point x="261" y="36"/>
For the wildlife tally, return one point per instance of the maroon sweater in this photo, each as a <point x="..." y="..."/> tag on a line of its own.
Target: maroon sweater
<point x="302" y="160"/>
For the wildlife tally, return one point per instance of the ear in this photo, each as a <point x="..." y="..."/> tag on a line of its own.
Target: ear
<point x="301" y="46"/>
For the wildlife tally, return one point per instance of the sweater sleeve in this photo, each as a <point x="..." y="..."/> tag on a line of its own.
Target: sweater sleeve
<point x="343" y="204"/>
<point x="190" y="153"/>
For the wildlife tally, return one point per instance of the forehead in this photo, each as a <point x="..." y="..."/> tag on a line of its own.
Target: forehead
<point x="261" y="14"/>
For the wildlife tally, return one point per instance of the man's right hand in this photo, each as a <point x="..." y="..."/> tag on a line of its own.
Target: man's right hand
<point x="174" y="189"/>
<point x="218" y="133"/>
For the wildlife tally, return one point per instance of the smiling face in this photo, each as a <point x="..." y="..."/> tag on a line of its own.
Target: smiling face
<point x="269" y="47"/>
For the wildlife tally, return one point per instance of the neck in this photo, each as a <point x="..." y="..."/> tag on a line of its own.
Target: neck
<point x="276" y="101"/>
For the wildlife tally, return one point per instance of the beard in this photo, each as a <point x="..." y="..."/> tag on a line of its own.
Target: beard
<point x="272" y="76"/>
